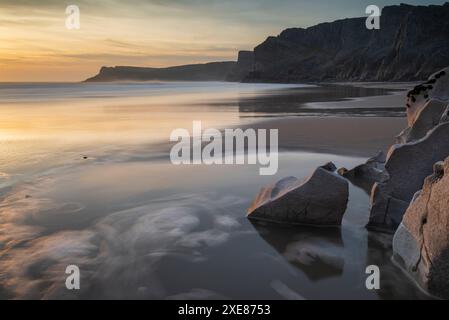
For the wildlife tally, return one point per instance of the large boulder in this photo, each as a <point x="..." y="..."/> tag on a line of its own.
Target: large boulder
<point x="410" y="161"/>
<point x="407" y="166"/>
<point x="421" y="243"/>
<point x="319" y="200"/>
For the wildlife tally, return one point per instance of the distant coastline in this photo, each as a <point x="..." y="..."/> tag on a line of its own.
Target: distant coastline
<point x="214" y="71"/>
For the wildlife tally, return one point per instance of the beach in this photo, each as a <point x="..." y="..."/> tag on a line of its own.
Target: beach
<point x="86" y="179"/>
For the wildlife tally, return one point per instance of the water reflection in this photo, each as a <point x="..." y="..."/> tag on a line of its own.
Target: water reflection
<point x="335" y="259"/>
<point x="317" y="252"/>
<point x="299" y="101"/>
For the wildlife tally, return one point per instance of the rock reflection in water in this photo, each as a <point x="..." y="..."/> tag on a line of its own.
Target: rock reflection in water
<point x="297" y="100"/>
<point x="317" y="252"/>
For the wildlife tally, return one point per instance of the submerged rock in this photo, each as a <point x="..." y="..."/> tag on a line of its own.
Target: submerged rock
<point x="320" y="200"/>
<point x="421" y="243"/>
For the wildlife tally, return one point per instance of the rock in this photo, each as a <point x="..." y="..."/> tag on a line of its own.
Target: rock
<point x="427" y="118"/>
<point x="244" y="66"/>
<point x="407" y="166"/>
<point x="320" y="200"/>
<point x="435" y="89"/>
<point x="345" y="50"/>
<point x="213" y="71"/>
<point x="421" y="243"/>
<point x="365" y="175"/>
<point x="445" y="116"/>
<point x="410" y="161"/>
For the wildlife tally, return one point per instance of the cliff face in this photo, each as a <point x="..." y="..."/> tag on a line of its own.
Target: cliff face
<point x="413" y="43"/>
<point x="215" y="71"/>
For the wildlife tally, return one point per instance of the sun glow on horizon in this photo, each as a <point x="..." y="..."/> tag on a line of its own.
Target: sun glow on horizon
<point x="36" y="46"/>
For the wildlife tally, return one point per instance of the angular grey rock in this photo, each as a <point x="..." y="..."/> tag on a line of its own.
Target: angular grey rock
<point x="365" y="175"/>
<point x="427" y="118"/>
<point x="407" y="166"/>
<point x="409" y="162"/>
<point x="421" y="243"/>
<point x="320" y="200"/>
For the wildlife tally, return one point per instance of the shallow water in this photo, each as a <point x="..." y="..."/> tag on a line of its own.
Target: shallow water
<point x="86" y="180"/>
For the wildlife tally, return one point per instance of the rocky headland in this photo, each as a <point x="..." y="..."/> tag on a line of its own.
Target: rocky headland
<point x="214" y="71"/>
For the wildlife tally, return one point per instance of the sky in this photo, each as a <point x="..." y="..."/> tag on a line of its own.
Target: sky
<point x="35" y="44"/>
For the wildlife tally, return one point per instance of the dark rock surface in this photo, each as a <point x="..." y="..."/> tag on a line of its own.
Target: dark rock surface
<point x="411" y="44"/>
<point x="244" y="66"/>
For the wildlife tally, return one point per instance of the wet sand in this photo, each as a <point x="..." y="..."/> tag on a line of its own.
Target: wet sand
<point x="89" y="182"/>
<point x="349" y="133"/>
<point x="354" y="136"/>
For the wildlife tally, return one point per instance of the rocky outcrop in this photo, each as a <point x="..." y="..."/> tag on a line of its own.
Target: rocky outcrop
<point x="436" y="89"/>
<point x="426" y="105"/>
<point x="244" y="66"/>
<point x="427" y="119"/>
<point x="346" y="50"/>
<point x="407" y="166"/>
<point x="423" y="143"/>
<point x="365" y="175"/>
<point x="320" y="200"/>
<point x="214" y="71"/>
<point x="421" y="243"/>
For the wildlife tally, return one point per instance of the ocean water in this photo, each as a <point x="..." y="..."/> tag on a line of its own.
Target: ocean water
<point x="85" y="179"/>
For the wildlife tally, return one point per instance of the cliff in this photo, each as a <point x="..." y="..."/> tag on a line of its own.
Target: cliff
<point x="243" y="67"/>
<point x="411" y="45"/>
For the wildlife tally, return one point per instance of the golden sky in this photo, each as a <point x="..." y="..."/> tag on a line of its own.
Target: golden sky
<point x="35" y="45"/>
